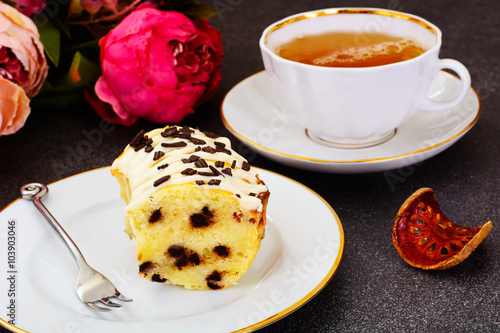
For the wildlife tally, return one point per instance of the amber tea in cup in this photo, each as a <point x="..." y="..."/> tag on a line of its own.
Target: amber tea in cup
<point x="351" y="76"/>
<point x="350" y="49"/>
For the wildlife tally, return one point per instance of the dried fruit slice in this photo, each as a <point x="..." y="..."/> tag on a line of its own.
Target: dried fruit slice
<point x="425" y="238"/>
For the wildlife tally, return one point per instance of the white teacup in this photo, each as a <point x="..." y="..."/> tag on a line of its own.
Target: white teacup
<point x="357" y="107"/>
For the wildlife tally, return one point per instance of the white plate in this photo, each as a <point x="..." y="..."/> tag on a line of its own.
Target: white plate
<point x="253" y="114"/>
<point x="300" y="253"/>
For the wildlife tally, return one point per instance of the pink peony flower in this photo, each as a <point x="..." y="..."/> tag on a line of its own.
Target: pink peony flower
<point x="158" y="65"/>
<point x="14" y="107"/>
<point x="28" y="7"/>
<point x="22" y="60"/>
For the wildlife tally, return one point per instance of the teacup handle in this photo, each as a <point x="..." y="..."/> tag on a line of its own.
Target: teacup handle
<point x="463" y="73"/>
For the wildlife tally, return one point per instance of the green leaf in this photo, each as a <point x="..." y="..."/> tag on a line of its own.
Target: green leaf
<point x="200" y="11"/>
<point x="89" y="71"/>
<point x="50" y="36"/>
<point x="194" y="9"/>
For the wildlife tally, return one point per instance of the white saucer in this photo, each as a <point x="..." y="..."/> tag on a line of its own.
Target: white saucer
<point x="295" y="261"/>
<point x="252" y="113"/>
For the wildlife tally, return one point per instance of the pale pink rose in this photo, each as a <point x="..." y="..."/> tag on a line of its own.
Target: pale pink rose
<point x="14" y="107"/>
<point x="22" y="60"/>
<point x="158" y="65"/>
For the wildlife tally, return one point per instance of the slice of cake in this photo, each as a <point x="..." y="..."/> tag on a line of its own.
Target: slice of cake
<point x="195" y="207"/>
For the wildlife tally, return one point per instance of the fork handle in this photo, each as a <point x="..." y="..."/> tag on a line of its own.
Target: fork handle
<point x="35" y="192"/>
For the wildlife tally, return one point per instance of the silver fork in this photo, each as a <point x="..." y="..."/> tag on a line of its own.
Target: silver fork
<point x="91" y="286"/>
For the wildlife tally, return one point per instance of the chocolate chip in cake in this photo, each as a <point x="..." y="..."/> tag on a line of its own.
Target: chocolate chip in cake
<point x="194" y="259"/>
<point x="207" y="211"/>
<point x="158" y="278"/>
<point x="237" y="216"/>
<point x="252" y="220"/>
<point x="222" y="250"/>
<point x="212" y="280"/>
<point x="199" y="220"/>
<point x="182" y="261"/>
<point x="156" y="216"/>
<point x="176" y="251"/>
<point x="145" y="266"/>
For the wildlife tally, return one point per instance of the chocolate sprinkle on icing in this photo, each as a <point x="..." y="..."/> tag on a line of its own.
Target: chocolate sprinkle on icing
<point x="194" y="158"/>
<point x="161" y="180"/>
<point x="174" y="144"/>
<point x="214" y="170"/>
<point x="238" y="196"/>
<point x="182" y="135"/>
<point x="252" y="194"/>
<point x="219" y="164"/>
<point x="188" y="172"/>
<point x="169" y="132"/>
<point x="158" y="155"/>
<point x="139" y="146"/>
<point x="186" y="129"/>
<point x="222" y="150"/>
<point x="197" y="149"/>
<point x="233" y="165"/>
<point x="211" y="135"/>
<point x="208" y="174"/>
<point x="136" y="139"/>
<point x="185" y="160"/>
<point x="201" y="163"/>
<point x="210" y="150"/>
<point x="214" y="182"/>
<point x="227" y="171"/>
<point x="220" y="144"/>
<point x="200" y="182"/>
<point x="245" y="166"/>
<point x="163" y="166"/>
<point x="197" y="141"/>
<point x="149" y="149"/>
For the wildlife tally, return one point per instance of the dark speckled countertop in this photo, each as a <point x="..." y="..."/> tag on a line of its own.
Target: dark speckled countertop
<point x="373" y="290"/>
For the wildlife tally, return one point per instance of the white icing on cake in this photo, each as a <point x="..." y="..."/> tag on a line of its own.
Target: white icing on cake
<point x="141" y="170"/>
